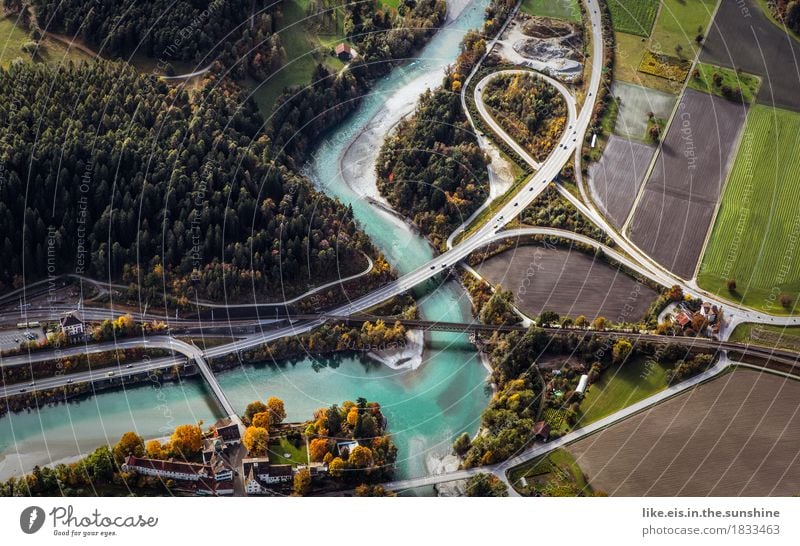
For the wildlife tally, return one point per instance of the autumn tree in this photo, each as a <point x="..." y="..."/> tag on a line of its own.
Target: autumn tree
<point x="252" y="408"/>
<point x="599" y="323"/>
<point x="256" y="440"/>
<point x="318" y="448"/>
<point x="367" y="490"/>
<point x="302" y="482"/>
<point x="277" y="412"/>
<point x="186" y="441"/>
<point x="360" y="456"/>
<point x="155" y="450"/>
<point x="621" y="350"/>
<point x="130" y="444"/>
<point x="581" y="321"/>
<point x="261" y="420"/>
<point x="337" y="467"/>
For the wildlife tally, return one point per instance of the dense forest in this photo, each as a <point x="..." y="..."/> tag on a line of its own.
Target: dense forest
<point x="431" y="169"/>
<point x="173" y="30"/>
<point x="105" y="168"/>
<point x="529" y="109"/>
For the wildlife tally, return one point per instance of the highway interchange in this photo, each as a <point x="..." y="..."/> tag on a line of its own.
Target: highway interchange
<point x="491" y="231"/>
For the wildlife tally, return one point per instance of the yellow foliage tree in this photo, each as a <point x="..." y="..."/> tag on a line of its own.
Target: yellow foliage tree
<point x="337" y="467"/>
<point x="256" y="440"/>
<point x="186" y="441"/>
<point x="352" y="416"/>
<point x="130" y="444"/>
<point x="155" y="450"/>
<point x="262" y="420"/>
<point x="360" y="457"/>
<point x="277" y="411"/>
<point x="302" y="482"/>
<point x="318" y="448"/>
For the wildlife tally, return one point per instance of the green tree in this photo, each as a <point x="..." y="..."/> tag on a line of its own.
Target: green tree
<point x="486" y="485"/>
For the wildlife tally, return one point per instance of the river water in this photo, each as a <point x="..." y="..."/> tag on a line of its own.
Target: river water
<point x="426" y="407"/>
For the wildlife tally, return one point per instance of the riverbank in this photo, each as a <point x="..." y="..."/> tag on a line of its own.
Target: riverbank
<point x="406" y="356"/>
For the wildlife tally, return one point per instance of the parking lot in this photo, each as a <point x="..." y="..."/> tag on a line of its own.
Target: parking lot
<point x="10" y="339"/>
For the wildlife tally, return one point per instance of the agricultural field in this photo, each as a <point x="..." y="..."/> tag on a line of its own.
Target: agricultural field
<point x="12" y="38"/>
<point x="738" y="435"/>
<point x="628" y="55"/>
<point x="569" y="282"/>
<point x="678" y="24"/>
<point x="554" y="475"/>
<point x="633" y="16"/>
<point x="724" y="82"/>
<point x="768" y="335"/>
<point x="614" y="181"/>
<point x="620" y="386"/>
<point x="560" y="9"/>
<point x="758" y="220"/>
<point x="665" y="66"/>
<point x="671" y="220"/>
<point x="635" y="103"/>
<point x="774" y="58"/>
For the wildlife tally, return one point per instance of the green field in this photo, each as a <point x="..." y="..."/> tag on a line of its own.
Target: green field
<point x="560" y="9"/>
<point x="633" y="16"/>
<point x="678" y="23"/>
<point x="702" y="79"/>
<point x="754" y="239"/>
<point x="767" y="335"/>
<point x="620" y="386"/>
<point x="281" y="447"/>
<point x="304" y="49"/>
<point x="628" y="55"/>
<point x="52" y="52"/>
<point x="556" y="474"/>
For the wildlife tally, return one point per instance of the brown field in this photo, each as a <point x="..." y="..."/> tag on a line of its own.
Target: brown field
<point x="615" y="180"/>
<point x="673" y="215"/>
<point x="569" y="282"/>
<point x="738" y="435"/>
<point x="754" y="44"/>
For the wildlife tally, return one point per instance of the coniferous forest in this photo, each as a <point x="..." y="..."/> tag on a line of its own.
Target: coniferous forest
<point x="108" y="170"/>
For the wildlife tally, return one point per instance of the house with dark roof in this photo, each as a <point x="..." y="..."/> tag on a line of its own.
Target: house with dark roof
<point x="541" y="431"/>
<point x="344" y="52"/>
<point x="229" y="434"/>
<point x="73" y="326"/>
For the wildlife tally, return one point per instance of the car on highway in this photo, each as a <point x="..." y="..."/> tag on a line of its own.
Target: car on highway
<point x="69" y="380"/>
<point x="110" y="374"/>
<point x="129" y="366"/>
